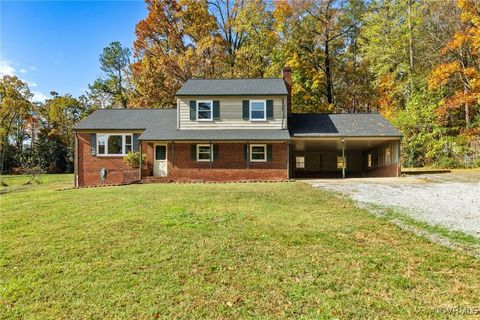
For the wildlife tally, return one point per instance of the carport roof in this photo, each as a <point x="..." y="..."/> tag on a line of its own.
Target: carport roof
<point x="341" y="125"/>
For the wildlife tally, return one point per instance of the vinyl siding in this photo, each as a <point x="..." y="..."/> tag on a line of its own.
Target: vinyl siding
<point x="231" y="116"/>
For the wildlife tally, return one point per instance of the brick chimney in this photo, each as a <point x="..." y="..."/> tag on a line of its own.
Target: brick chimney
<point x="287" y="77"/>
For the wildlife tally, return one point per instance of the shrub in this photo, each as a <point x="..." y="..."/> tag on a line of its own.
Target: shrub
<point x="132" y="159"/>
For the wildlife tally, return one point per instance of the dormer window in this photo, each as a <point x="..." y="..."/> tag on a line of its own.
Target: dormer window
<point x="258" y="110"/>
<point x="205" y="110"/>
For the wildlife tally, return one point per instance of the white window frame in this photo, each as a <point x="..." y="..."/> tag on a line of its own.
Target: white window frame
<point x="211" y="109"/>
<point x="264" y="110"/>
<point x="297" y="162"/>
<point x="264" y="152"/>
<point x="124" y="140"/>
<point x="198" y="152"/>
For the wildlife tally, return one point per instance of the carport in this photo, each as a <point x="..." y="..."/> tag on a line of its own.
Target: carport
<point x="343" y="145"/>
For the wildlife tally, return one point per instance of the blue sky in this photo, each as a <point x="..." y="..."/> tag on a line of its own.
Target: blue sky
<point x="55" y="45"/>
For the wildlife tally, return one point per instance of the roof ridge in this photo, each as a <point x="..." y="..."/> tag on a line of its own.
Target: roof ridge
<point x="329" y="113"/>
<point x="126" y="109"/>
<point x="204" y="79"/>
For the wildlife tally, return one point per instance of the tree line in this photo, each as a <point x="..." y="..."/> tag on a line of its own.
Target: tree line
<point x="417" y="62"/>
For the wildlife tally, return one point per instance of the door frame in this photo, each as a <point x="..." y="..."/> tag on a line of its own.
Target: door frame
<point x="155" y="159"/>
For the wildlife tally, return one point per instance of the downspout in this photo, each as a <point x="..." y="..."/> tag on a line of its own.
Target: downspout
<point x="211" y="154"/>
<point x="343" y="158"/>
<point x="173" y="154"/>
<point x="141" y="162"/>
<point x="288" y="159"/>
<point x="75" y="163"/>
<point x="248" y="155"/>
<point x="283" y="113"/>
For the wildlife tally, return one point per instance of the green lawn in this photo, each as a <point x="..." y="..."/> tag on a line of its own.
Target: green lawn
<point x="279" y="250"/>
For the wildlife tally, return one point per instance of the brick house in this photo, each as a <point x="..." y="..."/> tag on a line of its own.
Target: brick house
<point x="233" y="130"/>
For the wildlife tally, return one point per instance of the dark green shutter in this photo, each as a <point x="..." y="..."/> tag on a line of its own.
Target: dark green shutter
<point x="269" y="152"/>
<point x="246" y="110"/>
<point x="193" y="152"/>
<point x="135" y="142"/>
<point x="193" y="110"/>
<point x="215" y="152"/>
<point x="269" y="109"/>
<point x="216" y="110"/>
<point x="93" y="144"/>
<point x="245" y="152"/>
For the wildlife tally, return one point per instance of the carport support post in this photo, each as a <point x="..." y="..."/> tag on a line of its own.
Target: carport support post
<point x="343" y="158"/>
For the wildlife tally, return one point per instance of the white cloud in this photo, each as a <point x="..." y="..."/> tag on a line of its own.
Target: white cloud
<point x="6" y="69"/>
<point x="39" y="97"/>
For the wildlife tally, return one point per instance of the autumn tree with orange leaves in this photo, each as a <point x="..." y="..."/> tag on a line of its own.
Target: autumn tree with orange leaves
<point x="460" y="74"/>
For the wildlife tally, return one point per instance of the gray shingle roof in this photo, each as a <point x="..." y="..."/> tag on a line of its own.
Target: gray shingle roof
<point x="233" y="87"/>
<point x="126" y="119"/>
<point x="342" y="125"/>
<point x="161" y="124"/>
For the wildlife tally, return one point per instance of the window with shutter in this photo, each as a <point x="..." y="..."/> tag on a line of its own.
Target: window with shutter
<point x="258" y="152"/>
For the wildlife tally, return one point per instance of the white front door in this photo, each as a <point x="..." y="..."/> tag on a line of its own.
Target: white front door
<point x="160" y="160"/>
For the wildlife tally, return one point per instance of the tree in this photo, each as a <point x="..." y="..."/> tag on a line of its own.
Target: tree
<point x="317" y="36"/>
<point x="461" y="71"/>
<point x="60" y="114"/>
<point x="33" y="163"/>
<point x="15" y="109"/>
<point x="114" y="90"/>
<point x="176" y="41"/>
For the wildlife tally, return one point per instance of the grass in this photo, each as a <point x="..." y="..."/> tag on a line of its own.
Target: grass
<point x="17" y="183"/>
<point x="279" y="250"/>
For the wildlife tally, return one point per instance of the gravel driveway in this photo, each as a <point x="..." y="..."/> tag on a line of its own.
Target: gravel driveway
<point x="451" y="200"/>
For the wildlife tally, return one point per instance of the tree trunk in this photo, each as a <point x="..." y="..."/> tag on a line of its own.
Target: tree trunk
<point x="467" y="108"/>
<point x="328" y="73"/>
<point x="410" y="39"/>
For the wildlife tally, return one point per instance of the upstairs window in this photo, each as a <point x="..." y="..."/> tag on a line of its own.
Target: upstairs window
<point x="114" y="144"/>
<point x="204" y="110"/>
<point x="258" y="110"/>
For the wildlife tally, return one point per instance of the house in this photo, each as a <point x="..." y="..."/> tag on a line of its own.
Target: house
<point x="233" y="130"/>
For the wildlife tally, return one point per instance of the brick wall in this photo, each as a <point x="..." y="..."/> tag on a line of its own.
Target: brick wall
<point x="230" y="165"/>
<point x="88" y="166"/>
<point x="386" y="171"/>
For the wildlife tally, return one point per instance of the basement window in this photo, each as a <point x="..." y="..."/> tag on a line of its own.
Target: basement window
<point x="300" y="162"/>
